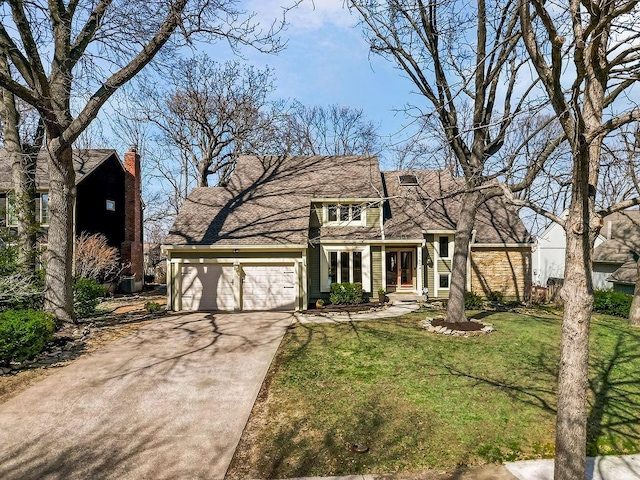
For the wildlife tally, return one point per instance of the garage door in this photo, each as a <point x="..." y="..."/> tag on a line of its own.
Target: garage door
<point x="207" y="287"/>
<point x="269" y="287"/>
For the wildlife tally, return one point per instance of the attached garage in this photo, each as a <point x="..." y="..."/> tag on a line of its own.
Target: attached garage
<point x="269" y="287"/>
<point x="207" y="287"/>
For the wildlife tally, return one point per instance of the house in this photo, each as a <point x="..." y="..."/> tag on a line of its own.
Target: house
<point x="284" y="229"/>
<point x="617" y="244"/>
<point x="107" y="201"/>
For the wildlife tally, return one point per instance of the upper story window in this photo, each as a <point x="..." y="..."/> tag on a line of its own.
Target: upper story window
<point x="443" y="244"/>
<point x="345" y="214"/>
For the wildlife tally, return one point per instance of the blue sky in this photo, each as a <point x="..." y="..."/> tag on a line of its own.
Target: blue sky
<point x="327" y="61"/>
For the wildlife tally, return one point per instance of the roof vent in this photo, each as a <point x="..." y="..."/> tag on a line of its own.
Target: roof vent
<point x="408" y="180"/>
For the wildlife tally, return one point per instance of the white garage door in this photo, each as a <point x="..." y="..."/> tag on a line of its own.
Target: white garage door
<point x="207" y="287"/>
<point x="269" y="287"/>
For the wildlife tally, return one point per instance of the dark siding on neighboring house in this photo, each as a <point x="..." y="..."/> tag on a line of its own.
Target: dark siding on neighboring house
<point x="106" y="182"/>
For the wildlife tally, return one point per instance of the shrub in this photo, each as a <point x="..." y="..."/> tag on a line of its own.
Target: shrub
<point x="94" y="258"/>
<point x="346" y="293"/>
<point x="495" y="296"/>
<point x="86" y="295"/>
<point x="472" y="301"/>
<point x="612" y="303"/>
<point x="153" y="307"/>
<point x="23" y="334"/>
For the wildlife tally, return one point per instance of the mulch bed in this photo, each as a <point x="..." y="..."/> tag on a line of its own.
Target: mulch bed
<point x="459" y="326"/>
<point x="361" y="307"/>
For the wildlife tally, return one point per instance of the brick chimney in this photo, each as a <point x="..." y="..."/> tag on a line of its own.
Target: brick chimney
<point x="131" y="250"/>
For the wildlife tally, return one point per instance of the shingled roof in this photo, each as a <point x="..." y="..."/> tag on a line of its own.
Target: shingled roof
<point x="84" y="162"/>
<point x="268" y="199"/>
<point x="622" y="232"/>
<point x="434" y="204"/>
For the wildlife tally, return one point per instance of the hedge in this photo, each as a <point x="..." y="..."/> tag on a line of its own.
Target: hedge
<point x="612" y="303"/>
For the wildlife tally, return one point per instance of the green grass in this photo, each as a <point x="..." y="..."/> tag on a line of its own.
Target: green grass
<point x="427" y="401"/>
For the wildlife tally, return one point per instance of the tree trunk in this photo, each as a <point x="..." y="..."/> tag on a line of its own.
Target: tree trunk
<point x="24" y="188"/>
<point x="577" y="293"/>
<point x="58" y="295"/>
<point x="634" y="312"/>
<point x="458" y="286"/>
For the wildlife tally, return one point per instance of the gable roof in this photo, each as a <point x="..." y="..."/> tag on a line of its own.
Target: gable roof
<point x="434" y="204"/>
<point x="627" y="274"/>
<point x="85" y="161"/>
<point x="622" y="231"/>
<point x="268" y="199"/>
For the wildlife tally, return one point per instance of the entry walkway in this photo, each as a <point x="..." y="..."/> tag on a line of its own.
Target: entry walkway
<point x="395" y="310"/>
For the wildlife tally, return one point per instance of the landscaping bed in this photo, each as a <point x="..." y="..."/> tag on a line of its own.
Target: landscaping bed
<point x="418" y="400"/>
<point x="360" y="307"/>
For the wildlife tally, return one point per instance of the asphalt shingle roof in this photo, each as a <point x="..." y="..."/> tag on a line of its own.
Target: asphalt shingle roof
<point x="268" y="202"/>
<point x="434" y="205"/>
<point x="268" y="199"/>
<point x="84" y="162"/>
<point x="622" y="230"/>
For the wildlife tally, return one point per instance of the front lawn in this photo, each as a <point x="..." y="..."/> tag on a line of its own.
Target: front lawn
<point x="419" y="400"/>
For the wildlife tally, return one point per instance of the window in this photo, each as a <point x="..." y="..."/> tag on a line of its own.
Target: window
<point x="44" y="209"/>
<point x="12" y="211"/>
<point x="444" y="247"/>
<point x="345" y="213"/>
<point x="345" y="264"/>
<point x="111" y="205"/>
<point x="444" y="280"/>
<point x="408" y="180"/>
<point x="333" y="213"/>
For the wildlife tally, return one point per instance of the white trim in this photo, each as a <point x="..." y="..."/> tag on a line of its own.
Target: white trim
<point x="244" y="248"/>
<point x="448" y="274"/>
<point x="344" y="223"/>
<point x="436" y="232"/>
<point x="419" y="266"/>
<point x="384" y="267"/>
<point x="346" y="199"/>
<point x="236" y="261"/>
<point x="366" y="266"/>
<point x="450" y="245"/>
<point x="412" y="242"/>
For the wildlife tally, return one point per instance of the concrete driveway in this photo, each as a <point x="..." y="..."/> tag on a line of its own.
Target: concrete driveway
<point x="167" y="402"/>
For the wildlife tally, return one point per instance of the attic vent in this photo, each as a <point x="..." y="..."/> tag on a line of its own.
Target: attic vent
<point x="408" y="180"/>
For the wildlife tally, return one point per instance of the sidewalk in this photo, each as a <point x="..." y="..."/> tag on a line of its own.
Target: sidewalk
<point x="625" y="467"/>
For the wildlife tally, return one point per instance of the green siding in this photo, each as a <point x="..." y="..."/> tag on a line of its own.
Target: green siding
<point x="315" y="219"/>
<point x="444" y="266"/>
<point x="313" y="274"/>
<point x="622" y="288"/>
<point x="232" y="255"/>
<point x="377" y="264"/>
<point x="373" y="216"/>
<point x="429" y="253"/>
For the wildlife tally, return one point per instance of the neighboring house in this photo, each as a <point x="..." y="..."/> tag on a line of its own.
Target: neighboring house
<point x="617" y="244"/>
<point x="616" y="258"/>
<point x="283" y="229"/>
<point x="107" y="201"/>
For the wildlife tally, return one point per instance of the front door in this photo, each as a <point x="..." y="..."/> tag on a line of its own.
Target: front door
<point x="399" y="265"/>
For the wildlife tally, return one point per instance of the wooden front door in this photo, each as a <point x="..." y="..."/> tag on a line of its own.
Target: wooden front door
<point x="399" y="265"/>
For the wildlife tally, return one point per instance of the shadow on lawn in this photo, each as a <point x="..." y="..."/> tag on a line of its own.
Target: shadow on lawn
<point x="613" y="425"/>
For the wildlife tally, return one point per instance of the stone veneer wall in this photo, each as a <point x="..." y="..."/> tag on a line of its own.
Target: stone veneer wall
<point x="507" y="270"/>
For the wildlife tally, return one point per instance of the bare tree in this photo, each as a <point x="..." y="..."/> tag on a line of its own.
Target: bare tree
<point x="330" y="130"/>
<point x="89" y="49"/>
<point x="208" y="113"/>
<point x="22" y="138"/>
<point x="598" y="43"/>
<point x="462" y="57"/>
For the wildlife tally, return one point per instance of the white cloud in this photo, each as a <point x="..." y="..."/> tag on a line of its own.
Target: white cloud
<point x="309" y="15"/>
